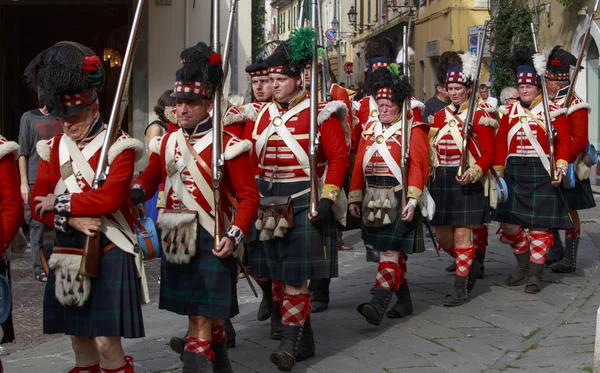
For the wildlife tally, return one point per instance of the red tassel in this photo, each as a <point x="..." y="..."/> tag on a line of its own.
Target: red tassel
<point x="556" y="63"/>
<point x="90" y="63"/>
<point x="215" y="59"/>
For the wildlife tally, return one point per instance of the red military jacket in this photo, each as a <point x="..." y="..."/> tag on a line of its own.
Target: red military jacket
<point x="235" y="117"/>
<point x="578" y="115"/>
<point x="11" y="205"/>
<point x="277" y="160"/>
<point x="511" y="139"/>
<point x="447" y="151"/>
<point x="376" y="165"/>
<point x="368" y="110"/>
<point x="111" y="197"/>
<point x="238" y="178"/>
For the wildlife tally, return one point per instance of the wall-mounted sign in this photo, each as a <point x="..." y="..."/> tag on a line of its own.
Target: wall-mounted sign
<point x="433" y="49"/>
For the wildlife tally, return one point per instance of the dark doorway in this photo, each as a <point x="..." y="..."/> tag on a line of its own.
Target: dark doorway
<point x="28" y="27"/>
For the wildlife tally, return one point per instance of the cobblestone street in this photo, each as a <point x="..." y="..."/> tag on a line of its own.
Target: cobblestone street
<point x="499" y="330"/>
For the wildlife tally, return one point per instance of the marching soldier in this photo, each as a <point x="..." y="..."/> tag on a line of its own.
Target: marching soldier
<point x="522" y="155"/>
<point x="95" y="311"/>
<point x="461" y="202"/>
<point x="11" y="220"/>
<point x="376" y="195"/>
<point x="558" y="68"/>
<point x="198" y="279"/>
<point x="293" y="247"/>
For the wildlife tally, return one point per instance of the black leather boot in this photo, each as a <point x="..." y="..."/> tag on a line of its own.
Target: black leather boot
<point x="451" y="267"/>
<point x="284" y="357"/>
<point x="306" y="345"/>
<point x="519" y="275"/>
<point x="557" y="251"/>
<point x="372" y="254"/>
<point x="534" y="281"/>
<point x="229" y="333"/>
<point x="319" y="288"/>
<point x="568" y="263"/>
<point x="275" y="321"/>
<point x="403" y="306"/>
<point x="266" y="303"/>
<point x="473" y="274"/>
<point x="480" y="257"/>
<point x="221" y="362"/>
<point x="374" y="310"/>
<point x="178" y="345"/>
<point x="458" y="294"/>
<point x="196" y="363"/>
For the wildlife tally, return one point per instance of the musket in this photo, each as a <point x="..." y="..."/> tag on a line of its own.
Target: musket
<point x="586" y="36"/>
<point x="468" y="125"/>
<point x="301" y="14"/>
<point x="91" y="251"/>
<point x="217" y="158"/>
<point x="325" y="95"/>
<point x="547" y="119"/>
<point x="313" y="137"/>
<point x="405" y="130"/>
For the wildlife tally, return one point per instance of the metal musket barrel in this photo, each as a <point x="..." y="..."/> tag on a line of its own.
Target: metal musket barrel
<point x="313" y="146"/>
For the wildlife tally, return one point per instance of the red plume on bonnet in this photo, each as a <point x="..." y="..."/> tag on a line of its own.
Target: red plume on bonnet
<point x="90" y="63"/>
<point x="215" y="59"/>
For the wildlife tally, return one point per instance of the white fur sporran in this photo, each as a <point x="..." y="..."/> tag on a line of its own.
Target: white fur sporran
<point x="71" y="289"/>
<point x="179" y="230"/>
<point x="380" y="206"/>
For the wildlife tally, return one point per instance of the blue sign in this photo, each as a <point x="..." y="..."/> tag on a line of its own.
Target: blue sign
<point x="331" y="34"/>
<point x="473" y="50"/>
<point x="473" y="40"/>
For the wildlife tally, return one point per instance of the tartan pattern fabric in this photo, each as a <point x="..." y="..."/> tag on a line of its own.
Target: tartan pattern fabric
<point x="198" y="346"/>
<point x="551" y="75"/>
<point x="464" y="259"/>
<point x="114" y="308"/>
<point x="457" y="204"/>
<point x="449" y="250"/>
<point x="573" y="234"/>
<point x="455" y="77"/>
<point x="262" y="72"/>
<point x="405" y="237"/>
<point x="206" y="286"/>
<point x="277" y="291"/>
<point x="384" y="93"/>
<point x="389" y="276"/>
<point x="378" y="65"/>
<point x="307" y="251"/>
<point x="277" y="69"/>
<point x="295" y="309"/>
<point x="197" y="88"/>
<point x="77" y="99"/>
<point x="526" y="78"/>
<point x="518" y="241"/>
<point x="580" y="197"/>
<point x="217" y="333"/>
<point x="8" y="325"/>
<point x="480" y="237"/>
<point x="532" y="200"/>
<point x="538" y="248"/>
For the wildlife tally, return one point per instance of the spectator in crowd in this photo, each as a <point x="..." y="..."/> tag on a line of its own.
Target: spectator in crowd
<point x="484" y="96"/>
<point x="439" y="101"/>
<point x="342" y="84"/>
<point x="508" y="96"/>
<point x="35" y="125"/>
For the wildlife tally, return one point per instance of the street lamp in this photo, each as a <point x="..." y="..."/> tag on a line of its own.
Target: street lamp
<point x="352" y="13"/>
<point x="335" y="24"/>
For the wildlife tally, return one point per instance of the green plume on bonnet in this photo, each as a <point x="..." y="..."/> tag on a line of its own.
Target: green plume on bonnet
<point x="396" y="73"/>
<point x="300" y="45"/>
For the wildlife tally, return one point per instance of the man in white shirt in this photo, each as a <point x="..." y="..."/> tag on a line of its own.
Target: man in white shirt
<point x="484" y="96"/>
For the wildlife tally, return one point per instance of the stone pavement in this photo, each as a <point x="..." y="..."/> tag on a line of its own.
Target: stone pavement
<point x="499" y="330"/>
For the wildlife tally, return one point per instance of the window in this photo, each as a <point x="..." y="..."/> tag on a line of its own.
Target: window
<point x="290" y="19"/>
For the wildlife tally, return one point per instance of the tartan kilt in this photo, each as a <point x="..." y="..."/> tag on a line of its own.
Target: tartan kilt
<point x="455" y="204"/>
<point x="206" y="286"/>
<point x="532" y="200"/>
<point x="580" y="197"/>
<point x="398" y="236"/>
<point x="307" y="251"/>
<point x="351" y="222"/>
<point x="114" y="308"/>
<point x="7" y="326"/>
